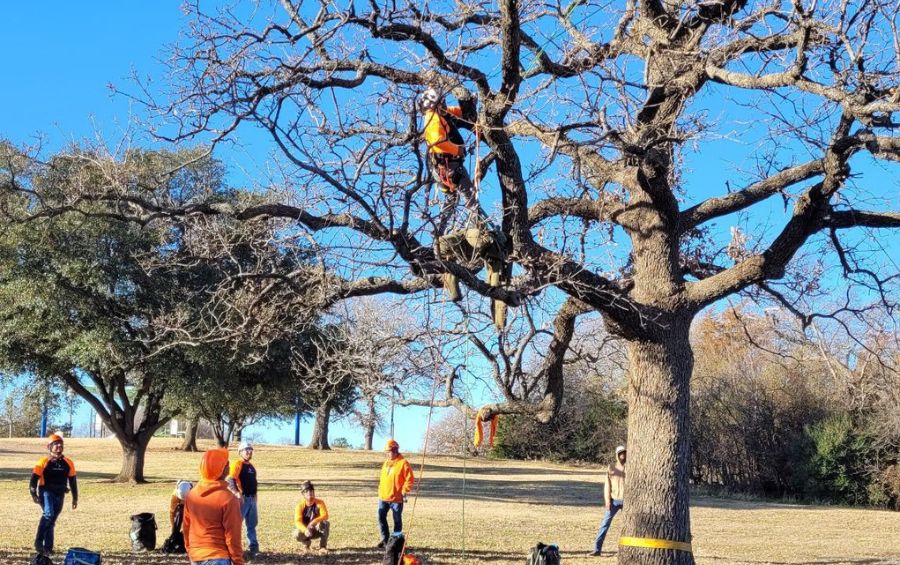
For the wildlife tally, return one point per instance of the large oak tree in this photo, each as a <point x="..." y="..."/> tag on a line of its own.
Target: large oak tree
<point x="593" y="117"/>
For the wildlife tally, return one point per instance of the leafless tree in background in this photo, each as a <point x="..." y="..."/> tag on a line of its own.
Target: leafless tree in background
<point x="592" y="115"/>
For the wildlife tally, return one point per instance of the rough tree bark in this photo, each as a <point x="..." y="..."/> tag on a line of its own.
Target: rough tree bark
<point x="658" y="439"/>
<point x="319" y="438"/>
<point x="370" y="424"/>
<point x="133" y="454"/>
<point x="190" y="435"/>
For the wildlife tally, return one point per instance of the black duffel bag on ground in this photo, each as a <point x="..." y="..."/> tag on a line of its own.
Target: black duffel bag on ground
<point x="542" y="554"/>
<point x="143" y="532"/>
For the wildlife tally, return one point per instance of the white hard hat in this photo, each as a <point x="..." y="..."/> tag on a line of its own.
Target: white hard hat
<point x="182" y="488"/>
<point x="429" y="99"/>
<point x="620" y="449"/>
<point x="245" y="445"/>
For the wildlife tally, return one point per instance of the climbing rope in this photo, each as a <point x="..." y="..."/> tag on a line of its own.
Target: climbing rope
<point x="421" y="479"/>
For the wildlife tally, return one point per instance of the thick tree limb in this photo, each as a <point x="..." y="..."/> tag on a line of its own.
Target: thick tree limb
<point x="744" y="198"/>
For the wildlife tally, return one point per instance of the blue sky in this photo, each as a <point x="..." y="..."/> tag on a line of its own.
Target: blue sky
<point x="59" y="61"/>
<point x="60" y="58"/>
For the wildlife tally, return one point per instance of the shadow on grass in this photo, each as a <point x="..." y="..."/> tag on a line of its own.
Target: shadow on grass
<point x="348" y="556"/>
<point x="835" y="561"/>
<point x="539" y="492"/>
<point x="769" y="505"/>
<point x="476" y="467"/>
<point x="23" y="474"/>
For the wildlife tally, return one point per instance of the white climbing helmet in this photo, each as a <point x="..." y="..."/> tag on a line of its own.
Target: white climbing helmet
<point x="182" y="488"/>
<point x="429" y="99"/>
<point x="244" y="446"/>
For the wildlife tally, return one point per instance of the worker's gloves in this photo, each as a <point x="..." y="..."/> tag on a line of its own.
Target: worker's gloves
<point x="405" y="499"/>
<point x="35" y="497"/>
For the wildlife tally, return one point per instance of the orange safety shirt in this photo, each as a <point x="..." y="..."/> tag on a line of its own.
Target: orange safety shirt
<point x="396" y="480"/>
<point x="308" y="515"/>
<point x="437" y="132"/>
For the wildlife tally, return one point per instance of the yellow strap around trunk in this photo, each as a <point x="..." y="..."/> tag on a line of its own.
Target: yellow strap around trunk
<point x="653" y="543"/>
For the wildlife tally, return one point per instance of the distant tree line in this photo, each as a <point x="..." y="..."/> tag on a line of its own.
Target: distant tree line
<point x="776" y="412"/>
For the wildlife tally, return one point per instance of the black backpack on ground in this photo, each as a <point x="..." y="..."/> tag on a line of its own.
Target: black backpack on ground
<point x="40" y="559"/>
<point x="542" y="554"/>
<point x="143" y="532"/>
<point x="393" y="548"/>
<point x="175" y="542"/>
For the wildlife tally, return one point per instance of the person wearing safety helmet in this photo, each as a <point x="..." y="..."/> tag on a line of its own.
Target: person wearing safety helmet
<point x="613" y="495"/>
<point x="212" y="515"/>
<point x="396" y="482"/>
<point x="182" y="487"/>
<point x="242" y="480"/>
<point x="175" y="542"/>
<point x="446" y="151"/>
<point x="51" y="479"/>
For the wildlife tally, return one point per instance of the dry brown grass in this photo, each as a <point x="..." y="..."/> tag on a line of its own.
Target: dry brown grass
<point x="509" y="505"/>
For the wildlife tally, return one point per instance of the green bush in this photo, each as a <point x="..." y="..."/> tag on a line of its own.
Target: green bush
<point x="838" y="466"/>
<point x="586" y="430"/>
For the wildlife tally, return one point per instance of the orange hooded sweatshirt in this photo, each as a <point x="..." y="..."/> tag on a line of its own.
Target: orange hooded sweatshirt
<point x="396" y="480"/>
<point x="212" y="515"/>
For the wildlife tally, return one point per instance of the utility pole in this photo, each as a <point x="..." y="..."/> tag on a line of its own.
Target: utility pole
<point x="44" y="402"/>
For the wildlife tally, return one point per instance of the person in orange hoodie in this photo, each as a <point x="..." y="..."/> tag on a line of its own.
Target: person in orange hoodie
<point x="396" y="482"/>
<point x="212" y="515"/>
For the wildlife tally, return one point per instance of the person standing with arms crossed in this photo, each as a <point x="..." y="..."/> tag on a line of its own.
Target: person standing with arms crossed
<point x="48" y="489"/>
<point x="396" y="482"/>
<point x="242" y="480"/>
<point x="613" y="495"/>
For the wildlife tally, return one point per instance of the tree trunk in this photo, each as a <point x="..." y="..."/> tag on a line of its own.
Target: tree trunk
<point x="238" y="434"/>
<point x="658" y="467"/>
<point x="190" y="435"/>
<point x="133" y="452"/>
<point x="320" y="430"/>
<point x="221" y="433"/>
<point x="370" y="425"/>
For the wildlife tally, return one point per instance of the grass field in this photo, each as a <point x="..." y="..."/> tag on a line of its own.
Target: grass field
<point x="507" y="507"/>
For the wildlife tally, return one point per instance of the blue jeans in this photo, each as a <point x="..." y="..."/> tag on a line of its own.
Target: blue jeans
<point x="212" y="562"/>
<point x="607" y="520"/>
<point x="52" y="504"/>
<point x="251" y="518"/>
<point x="397" y="509"/>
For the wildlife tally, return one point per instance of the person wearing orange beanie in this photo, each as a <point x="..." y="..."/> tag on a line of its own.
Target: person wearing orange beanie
<point x="212" y="515"/>
<point x="396" y="482"/>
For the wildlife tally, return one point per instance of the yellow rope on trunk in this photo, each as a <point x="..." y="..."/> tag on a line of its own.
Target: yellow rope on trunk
<point x="653" y="543"/>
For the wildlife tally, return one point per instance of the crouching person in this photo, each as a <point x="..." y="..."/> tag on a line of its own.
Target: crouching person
<point x="311" y="519"/>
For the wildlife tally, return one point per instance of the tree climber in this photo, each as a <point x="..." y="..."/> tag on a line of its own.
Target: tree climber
<point x="481" y="240"/>
<point x="446" y="152"/>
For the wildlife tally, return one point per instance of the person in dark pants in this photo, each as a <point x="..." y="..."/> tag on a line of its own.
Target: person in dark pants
<point x="243" y="478"/>
<point x="311" y="519"/>
<point x="614" y="496"/>
<point x="52" y="477"/>
<point x="396" y="482"/>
